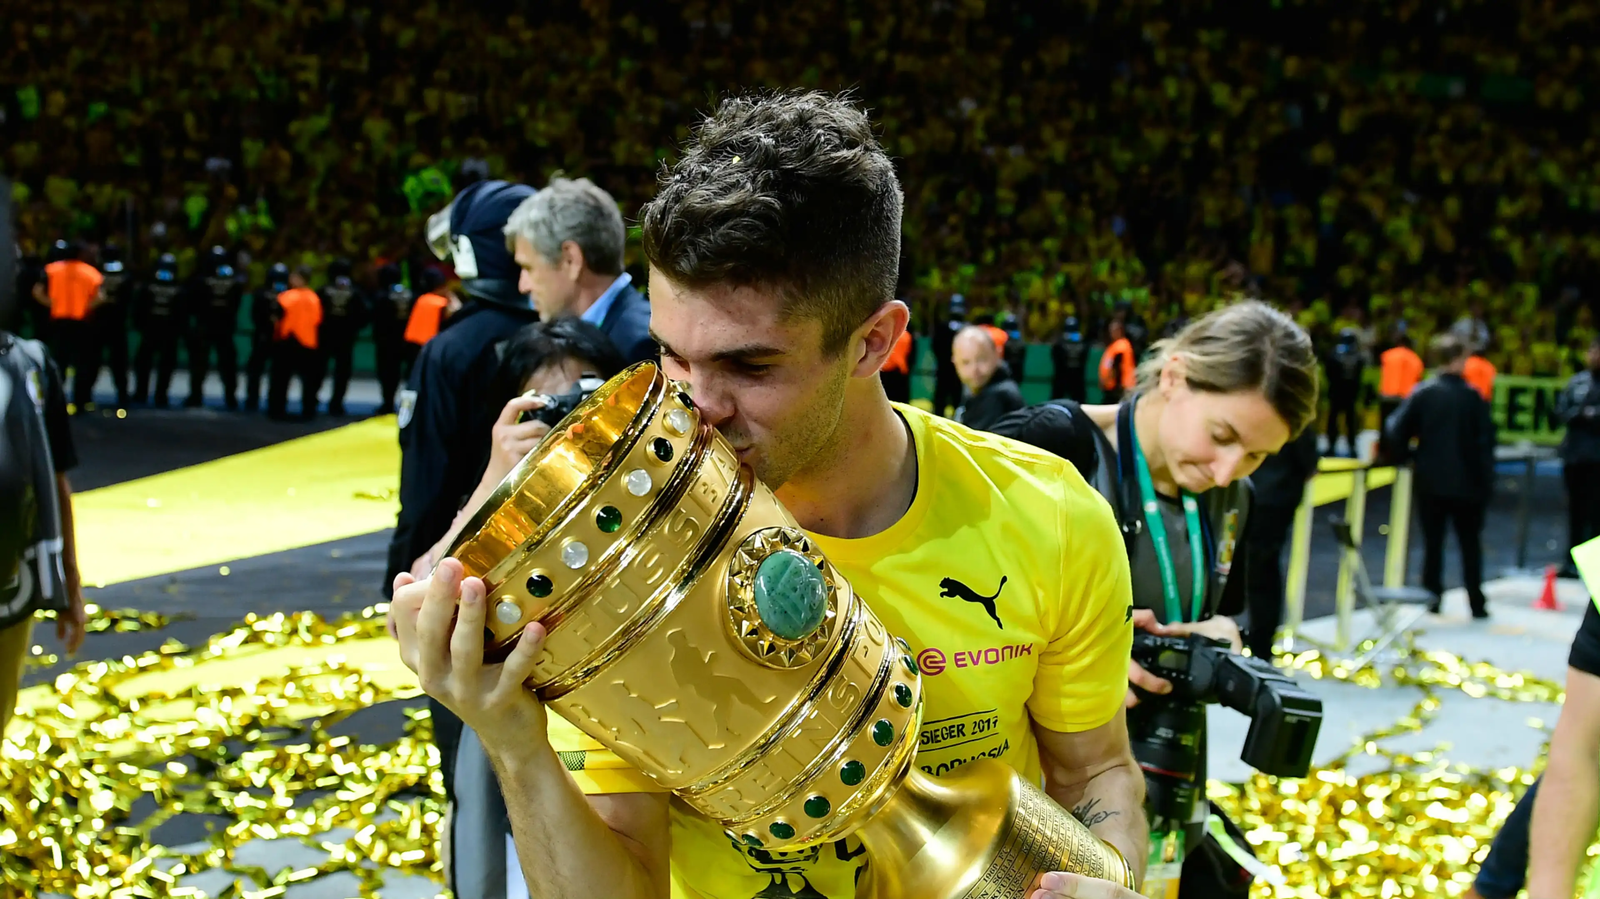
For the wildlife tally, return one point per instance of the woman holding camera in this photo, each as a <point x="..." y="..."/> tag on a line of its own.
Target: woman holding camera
<point x="1172" y="459"/>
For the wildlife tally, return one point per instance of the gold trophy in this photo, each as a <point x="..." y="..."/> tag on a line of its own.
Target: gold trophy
<point x="699" y="634"/>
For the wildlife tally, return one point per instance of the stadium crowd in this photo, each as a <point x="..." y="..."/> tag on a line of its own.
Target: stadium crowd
<point x="1363" y="164"/>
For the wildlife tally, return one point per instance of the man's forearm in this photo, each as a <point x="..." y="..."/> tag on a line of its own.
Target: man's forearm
<point x="1564" y="816"/>
<point x="69" y="539"/>
<point x="566" y="850"/>
<point x="1112" y="806"/>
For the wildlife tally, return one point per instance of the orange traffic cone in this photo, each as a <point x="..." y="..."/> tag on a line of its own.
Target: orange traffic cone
<point x="1547" y="596"/>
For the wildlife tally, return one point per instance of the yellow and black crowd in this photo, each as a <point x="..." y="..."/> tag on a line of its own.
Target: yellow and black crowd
<point x="1364" y="165"/>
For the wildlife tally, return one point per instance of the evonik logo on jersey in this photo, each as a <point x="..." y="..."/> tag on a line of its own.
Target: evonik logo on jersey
<point x="933" y="660"/>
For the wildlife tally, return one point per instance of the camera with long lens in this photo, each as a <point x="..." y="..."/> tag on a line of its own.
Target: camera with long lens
<point x="1167" y="731"/>
<point x="556" y="407"/>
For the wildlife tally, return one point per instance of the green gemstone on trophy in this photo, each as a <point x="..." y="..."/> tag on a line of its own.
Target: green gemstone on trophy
<point x="662" y="447"/>
<point x="883" y="732"/>
<point x="608" y="519"/>
<point x="852" y="773"/>
<point x="540" y="585"/>
<point x="910" y="663"/>
<point x="751" y="839"/>
<point x="791" y="595"/>
<point x="781" y="831"/>
<point x="902" y="695"/>
<point x="818" y="806"/>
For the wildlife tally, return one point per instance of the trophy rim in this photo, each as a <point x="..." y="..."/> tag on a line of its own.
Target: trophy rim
<point x="511" y="484"/>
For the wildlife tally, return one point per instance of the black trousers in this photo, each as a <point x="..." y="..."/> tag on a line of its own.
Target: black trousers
<point x="214" y="334"/>
<point x="338" y="346"/>
<point x="111" y="340"/>
<point x="1342" y="408"/>
<point x="158" y="346"/>
<point x="394" y="359"/>
<point x="1583" y="501"/>
<point x="77" y="345"/>
<point x="1270" y="527"/>
<point x="1466" y="516"/>
<point x="255" y="368"/>
<point x="946" y="387"/>
<point x="291" y="360"/>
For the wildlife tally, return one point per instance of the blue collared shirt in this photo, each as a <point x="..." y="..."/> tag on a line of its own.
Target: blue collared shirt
<point x="596" y="313"/>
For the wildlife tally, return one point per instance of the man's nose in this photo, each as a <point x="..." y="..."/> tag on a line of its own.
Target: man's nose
<point x="525" y="283"/>
<point x="716" y="406"/>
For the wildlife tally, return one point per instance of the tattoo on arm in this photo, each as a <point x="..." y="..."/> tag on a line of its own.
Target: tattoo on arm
<point x="1086" y="813"/>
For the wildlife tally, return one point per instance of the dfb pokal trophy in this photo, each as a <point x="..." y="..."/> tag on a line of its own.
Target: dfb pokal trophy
<point x="699" y="634"/>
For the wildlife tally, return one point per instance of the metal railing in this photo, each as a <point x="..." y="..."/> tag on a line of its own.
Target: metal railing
<point x="1331" y="473"/>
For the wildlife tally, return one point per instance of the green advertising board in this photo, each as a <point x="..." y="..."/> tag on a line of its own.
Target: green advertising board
<point x="1525" y="409"/>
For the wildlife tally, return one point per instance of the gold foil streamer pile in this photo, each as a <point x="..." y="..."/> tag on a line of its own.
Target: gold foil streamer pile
<point x="1415" y="828"/>
<point x="1418" y="826"/>
<point x="71" y="780"/>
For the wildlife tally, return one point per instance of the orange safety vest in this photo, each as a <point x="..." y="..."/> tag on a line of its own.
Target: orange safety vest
<point x="1109" y="379"/>
<point x="1401" y="370"/>
<point x="426" y="316"/>
<point x="72" y="286"/>
<point x="999" y="335"/>
<point x="1480" y="372"/>
<point x="302" y="313"/>
<point x="899" y="360"/>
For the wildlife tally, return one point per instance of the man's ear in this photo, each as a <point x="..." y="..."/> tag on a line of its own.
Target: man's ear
<point x="571" y="259"/>
<point x="875" y="339"/>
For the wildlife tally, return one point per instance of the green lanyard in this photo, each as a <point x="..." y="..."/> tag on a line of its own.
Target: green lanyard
<point x="1158" y="537"/>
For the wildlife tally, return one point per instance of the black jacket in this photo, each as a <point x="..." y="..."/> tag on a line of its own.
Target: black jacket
<point x="627" y="323"/>
<point x="1454" y="455"/>
<point x="990" y="404"/>
<point x="1281" y="479"/>
<point x="1578" y="407"/>
<point x="446" y="415"/>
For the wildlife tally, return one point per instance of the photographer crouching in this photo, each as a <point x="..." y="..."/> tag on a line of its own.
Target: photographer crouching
<point x="1229" y="390"/>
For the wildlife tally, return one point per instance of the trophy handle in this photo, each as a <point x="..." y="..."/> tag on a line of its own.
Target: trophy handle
<point x="980" y="833"/>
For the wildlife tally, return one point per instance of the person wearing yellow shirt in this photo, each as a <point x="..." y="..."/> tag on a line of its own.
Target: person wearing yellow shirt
<point x="1017" y="604"/>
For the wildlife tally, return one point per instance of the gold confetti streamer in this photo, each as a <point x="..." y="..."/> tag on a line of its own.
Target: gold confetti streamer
<point x="1416" y="827"/>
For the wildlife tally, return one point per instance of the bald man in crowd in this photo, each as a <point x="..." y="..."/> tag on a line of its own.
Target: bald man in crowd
<point x="990" y="391"/>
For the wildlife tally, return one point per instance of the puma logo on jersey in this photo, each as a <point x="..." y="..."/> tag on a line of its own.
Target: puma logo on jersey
<point x="950" y="587"/>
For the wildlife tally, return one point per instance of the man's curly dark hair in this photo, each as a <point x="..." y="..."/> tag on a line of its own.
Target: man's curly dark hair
<point x="786" y="191"/>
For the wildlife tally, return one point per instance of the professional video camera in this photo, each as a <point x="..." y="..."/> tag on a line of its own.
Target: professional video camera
<point x="556" y="407"/>
<point x="1166" y="731"/>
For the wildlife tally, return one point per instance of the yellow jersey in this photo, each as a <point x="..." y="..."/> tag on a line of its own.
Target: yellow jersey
<point x="1009" y="579"/>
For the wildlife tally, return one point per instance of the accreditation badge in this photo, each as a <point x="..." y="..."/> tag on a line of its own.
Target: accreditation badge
<point x="1230" y="538"/>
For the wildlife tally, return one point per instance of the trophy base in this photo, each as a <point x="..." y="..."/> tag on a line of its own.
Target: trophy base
<point x="980" y="833"/>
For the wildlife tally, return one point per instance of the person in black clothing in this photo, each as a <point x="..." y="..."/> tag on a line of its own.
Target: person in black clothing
<point x="1280" y="484"/>
<point x="1578" y="409"/>
<point x="109" y="320"/>
<point x="1173" y="460"/>
<point x="391" y="308"/>
<point x="449" y="406"/>
<point x="946" y="383"/>
<point x="1454" y="462"/>
<point x="217" y="292"/>
<point x="1506" y="870"/>
<point x="1069" y="356"/>
<point x="1344" y="364"/>
<point x="159" y="312"/>
<point x="344" y="312"/>
<point x="263" y="325"/>
<point x="991" y="392"/>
